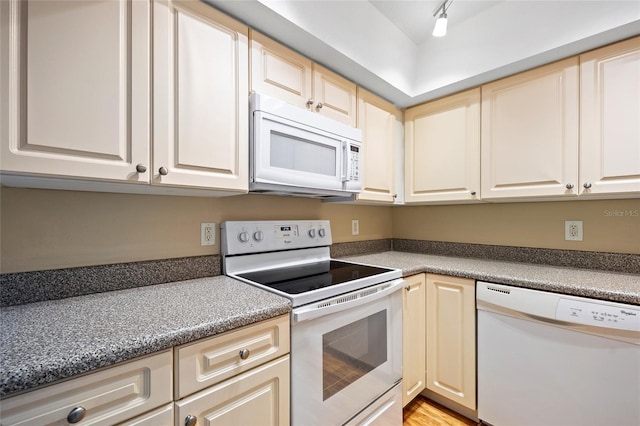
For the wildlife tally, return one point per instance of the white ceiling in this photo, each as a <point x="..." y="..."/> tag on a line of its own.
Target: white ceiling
<point x="386" y="45"/>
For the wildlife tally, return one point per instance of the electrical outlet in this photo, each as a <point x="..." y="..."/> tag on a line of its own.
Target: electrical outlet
<point x="573" y="230"/>
<point x="207" y="234"/>
<point x="355" y="227"/>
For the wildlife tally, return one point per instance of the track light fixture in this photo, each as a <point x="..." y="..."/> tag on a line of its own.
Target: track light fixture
<point x="440" y="29"/>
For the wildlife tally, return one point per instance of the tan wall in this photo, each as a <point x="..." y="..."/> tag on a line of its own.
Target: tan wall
<point x="46" y="229"/>
<point x="538" y="225"/>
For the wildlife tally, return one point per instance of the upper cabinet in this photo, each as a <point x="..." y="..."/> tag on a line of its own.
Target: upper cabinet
<point x="379" y="121"/>
<point x="442" y="150"/>
<point x="98" y="95"/>
<point x="530" y="133"/>
<point x="609" y="114"/>
<point x="284" y="74"/>
<point x="200" y="121"/>
<point x="76" y="89"/>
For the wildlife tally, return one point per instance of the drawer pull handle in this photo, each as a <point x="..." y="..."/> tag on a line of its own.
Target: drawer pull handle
<point x="190" y="420"/>
<point x="141" y="168"/>
<point x="244" y="353"/>
<point x="76" y="414"/>
<point x="163" y="171"/>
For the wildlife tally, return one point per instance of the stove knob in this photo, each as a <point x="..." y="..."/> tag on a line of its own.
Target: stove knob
<point x="321" y="232"/>
<point x="258" y="235"/>
<point x="312" y="233"/>
<point x="243" y="236"/>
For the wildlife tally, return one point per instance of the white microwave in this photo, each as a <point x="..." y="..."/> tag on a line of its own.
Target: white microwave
<point x="297" y="152"/>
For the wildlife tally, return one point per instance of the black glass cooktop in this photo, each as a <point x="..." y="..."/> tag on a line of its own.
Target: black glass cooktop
<point x="301" y="279"/>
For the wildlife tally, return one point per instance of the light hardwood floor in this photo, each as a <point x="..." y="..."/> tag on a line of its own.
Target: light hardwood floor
<point x="423" y="412"/>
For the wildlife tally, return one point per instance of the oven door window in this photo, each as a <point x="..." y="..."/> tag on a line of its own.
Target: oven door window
<point x="351" y="351"/>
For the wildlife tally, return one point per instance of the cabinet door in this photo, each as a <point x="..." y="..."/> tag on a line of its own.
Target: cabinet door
<point x="451" y="338"/>
<point x="335" y="97"/>
<point x="609" y="130"/>
<point x="413" y="338"/>
<point x="200" y="98"/>
<point x="442" y="150"/>
<point x="107" y="397"/>
<point x="280" y="72"/>
<point x="530" y="134"/>
<point x="377" y="120"/>
<point x="75" y="88"/>
<point x="257" y="397"/>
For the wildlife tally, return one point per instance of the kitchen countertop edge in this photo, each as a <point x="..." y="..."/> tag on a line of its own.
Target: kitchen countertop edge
<point x="609" y="286"/>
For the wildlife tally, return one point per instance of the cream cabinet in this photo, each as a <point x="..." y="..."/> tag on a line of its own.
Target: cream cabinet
<point x="240" y="377"/>
<point x="280" y="72"/>
<point x="258" y="397"/>
<point x="113" y="92"/>
<point x="609" y="114"/>
<point x="451" y="339"/>
<point x="106" y="397"/>
<point x="75" y="86"/>
<point x="378" y="120"/>
<point x="200" y="117"/>
<point x="442" y="150"/>
<point x="162" y="416"/>
<point x="413" y="337"/>
<point x="529" y="134"/>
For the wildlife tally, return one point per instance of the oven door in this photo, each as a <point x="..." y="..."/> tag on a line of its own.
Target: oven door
<point x="345" y="353"/>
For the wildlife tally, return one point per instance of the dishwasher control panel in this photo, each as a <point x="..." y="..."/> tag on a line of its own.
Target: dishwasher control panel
<point x="598" y="314"/>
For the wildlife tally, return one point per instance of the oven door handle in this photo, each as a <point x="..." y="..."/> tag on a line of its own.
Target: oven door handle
<point x="345" y="301"/>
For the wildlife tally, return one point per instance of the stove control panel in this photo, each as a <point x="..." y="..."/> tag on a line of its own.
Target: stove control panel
<point x="244" y="237"/>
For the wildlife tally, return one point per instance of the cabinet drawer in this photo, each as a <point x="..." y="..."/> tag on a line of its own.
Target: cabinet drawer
<point x="257" y="397"/>
<point x="162" y="416"/>
<point x="207" y="362"/>
<point x="109" y="396"/>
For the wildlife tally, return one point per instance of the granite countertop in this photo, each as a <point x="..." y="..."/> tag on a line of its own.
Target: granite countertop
<point x="616" y="287"/>
<point x="47" y="341"/>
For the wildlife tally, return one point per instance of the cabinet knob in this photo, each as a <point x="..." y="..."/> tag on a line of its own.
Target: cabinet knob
<point x="473" y="192"/>
<point x="569" y="186"/>
<point x="76" y="414"/>
<point x="190" y="420"/>
<point x="244" y="353"/>
<point x="141" y="168"/>
<point x="395" y="196"/>
<point x="163" y="171"/>
<point x="319" y="106"/>
<point x="309" y="102"/>
<point x="408" y="288"/>
<point x="587" y="185"/>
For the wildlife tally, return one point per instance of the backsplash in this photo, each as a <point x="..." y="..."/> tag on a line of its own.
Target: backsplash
<point x="28" y="287"/>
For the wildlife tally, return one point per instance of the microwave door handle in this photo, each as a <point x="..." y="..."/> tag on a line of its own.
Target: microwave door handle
<point x="345" y="162"/>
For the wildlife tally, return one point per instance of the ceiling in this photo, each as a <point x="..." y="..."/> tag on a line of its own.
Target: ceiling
<point x="386" y="46"/>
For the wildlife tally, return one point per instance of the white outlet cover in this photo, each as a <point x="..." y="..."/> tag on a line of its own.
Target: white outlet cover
<point x="355" y="227"/>
<point x="573" y="230"/>
<point x="207" y="234"/>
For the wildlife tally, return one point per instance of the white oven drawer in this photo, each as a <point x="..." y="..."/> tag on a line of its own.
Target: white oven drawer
<point x="106" y="397"/>
<point x="207" y="362"/>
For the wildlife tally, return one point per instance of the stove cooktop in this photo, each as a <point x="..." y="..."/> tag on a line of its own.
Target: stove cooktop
<point x="301" y="279"/>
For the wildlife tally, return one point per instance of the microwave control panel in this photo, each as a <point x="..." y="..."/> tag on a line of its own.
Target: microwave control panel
<point x="354" y="162"/>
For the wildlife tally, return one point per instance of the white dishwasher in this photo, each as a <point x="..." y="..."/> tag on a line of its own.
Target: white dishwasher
<point x="548" y="359"/>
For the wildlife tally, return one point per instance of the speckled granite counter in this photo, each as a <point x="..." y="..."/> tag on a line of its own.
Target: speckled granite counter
<point x="615" y="287"/>
<point x="48" y="341"/>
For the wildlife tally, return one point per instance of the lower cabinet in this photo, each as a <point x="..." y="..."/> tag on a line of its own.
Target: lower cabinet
<point x="451" y="339"/>
<point x="257" y="397"/>
<point x="240" y="377"/>
<point x="413" y="337"/>
<point x="106" y="397"/>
